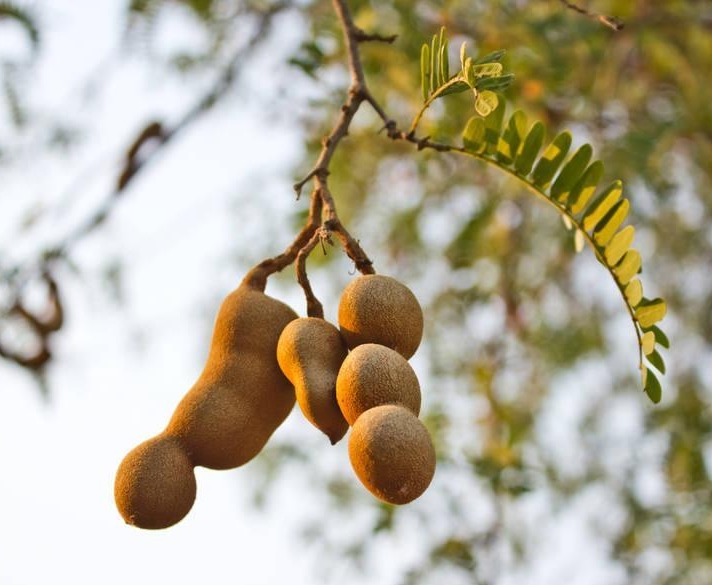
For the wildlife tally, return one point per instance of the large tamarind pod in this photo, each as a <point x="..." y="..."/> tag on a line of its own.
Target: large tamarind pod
<point x="155" y="484"/>
<point x="373" y="375"/>
<point x="241" y="397"/>
<point x="310" y="352"/>
<point x="392" y="454"/>
<point x="378" y="309"/>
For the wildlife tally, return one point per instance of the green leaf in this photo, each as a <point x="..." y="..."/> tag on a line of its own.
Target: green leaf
<point x="660" y="337"/>
<point x="602" y="204"/>
<point x="512" y="138"/>
<point x="634" y="291"/>
<point x="499" y="83"/>
<point x="551" y="160"/>
<point x="649" y="312"/>
<point x="486" y="103"/>
<point x="619" y="245"/>
<point x="626" y="269"/>
<point x="425" y="70"/>
<point x="652" y="387"/>
<point x="571" y="173"/>
<point x="463" y="55"/>
<point x="657" y="360"/>
<point x="529" y="151"/>
<point x="647" y="343"/>
<point x="492" y="57"/>
<point x="608" y="226"/>
<point x="456" y="87"/>
<point x="586" y="187"/>
<point x="434" y="48"/>
<point x="493" y="126"/>
<point x="473" y="138"/>
<point x="444" y="62"/>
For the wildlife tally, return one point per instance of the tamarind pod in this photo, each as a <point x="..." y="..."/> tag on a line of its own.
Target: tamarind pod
<point x="310" y="352"/>
<point x="155" y="483"/>
<point x="242" y="396"/>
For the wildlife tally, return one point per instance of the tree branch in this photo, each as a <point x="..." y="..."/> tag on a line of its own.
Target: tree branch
<point x="609" y="21"/>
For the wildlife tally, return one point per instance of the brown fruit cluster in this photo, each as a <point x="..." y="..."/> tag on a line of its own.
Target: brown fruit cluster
<point x="378" y="392"/>
<point x="262" y="358"/>
<point x="224" y="420"/>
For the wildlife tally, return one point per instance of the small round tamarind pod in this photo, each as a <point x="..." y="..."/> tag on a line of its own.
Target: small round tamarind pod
<point x="378" y="309"/>
<point x="373" y="375"/>
<point x="155" y="484"/>
<point x="241" y="397"/>
<point x="310" y="352"/>
<point x="392" y="454"/>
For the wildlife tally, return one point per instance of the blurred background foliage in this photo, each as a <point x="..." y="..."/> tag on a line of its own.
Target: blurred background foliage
<point x="532" y="391"/>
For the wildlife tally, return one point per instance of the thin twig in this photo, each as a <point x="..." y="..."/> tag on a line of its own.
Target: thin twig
<point x="609" y="21"/>
<point x="134" y="164"/>
<point x="314" y="306"/>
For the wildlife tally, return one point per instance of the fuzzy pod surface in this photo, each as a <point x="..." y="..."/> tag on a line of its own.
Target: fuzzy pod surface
<point x="392" y="454"/>
<point x="374" y="375"/>
<point x="155" y="484"/>
<point x="242" y="396"/>
<point x="310" y="352"/>
<point x="378" y="309"/>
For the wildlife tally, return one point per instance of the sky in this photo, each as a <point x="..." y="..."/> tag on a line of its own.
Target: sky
<point x="215" y="202"/>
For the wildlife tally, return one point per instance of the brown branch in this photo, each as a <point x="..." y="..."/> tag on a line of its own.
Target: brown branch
<point x="33" y="362"/>
<point x="358" y="93"/>
<point x="609" y="21"/>
<point x="257" y="277"/>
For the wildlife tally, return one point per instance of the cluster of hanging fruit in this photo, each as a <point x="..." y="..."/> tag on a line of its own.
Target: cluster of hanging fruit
<point x="262" y="358"/>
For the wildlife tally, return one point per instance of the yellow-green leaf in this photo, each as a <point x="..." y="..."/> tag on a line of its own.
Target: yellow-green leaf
<point x="493" y="123"/>
<point x="586" y="187"/>
<point x="619" y="245"/>
<point x="486" y="103"/>
<point x="529" y="151"/>
<point x="434" y="47"/>
<point x="647" y="342"/>
<point x="444" y="61"/>
<point x="512" y="138"/>
<point x="602" y="204"/>
<point x="487" y="70"/>
<point x="579" y="241"/>
<point x="425" y="70"/>
<point x="627" y="268"/>
<point x="463" y="55"/>
<point x="650" y="312"/>
<point x="567" y="222"/>
<point x="551" y="160"/>
<point x="571" y="173"/>
<point x="473" y="138"/>
<point x="634" y="292"/>
<point x="643" y="375"/>
<point x="608" y="226"/>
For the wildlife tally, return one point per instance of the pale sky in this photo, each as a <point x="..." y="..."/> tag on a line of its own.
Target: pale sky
<point x="119" y="370"/>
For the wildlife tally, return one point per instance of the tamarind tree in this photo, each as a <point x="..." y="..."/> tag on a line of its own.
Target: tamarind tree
<point x="471" y="149"/>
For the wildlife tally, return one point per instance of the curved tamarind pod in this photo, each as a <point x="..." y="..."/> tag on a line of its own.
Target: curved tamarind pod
<point x="241" y="397"/>
<point x="155" y="484"/>
<point x="378" y="309"/>
<point x="310" y="352"/>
